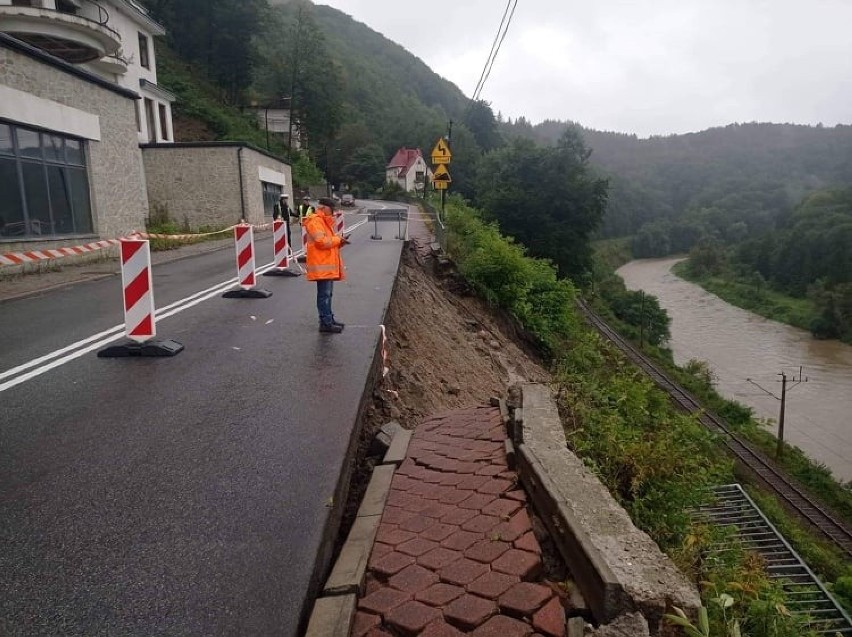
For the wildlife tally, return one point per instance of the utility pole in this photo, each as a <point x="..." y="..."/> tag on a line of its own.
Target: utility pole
<point x="779" y="449"/>
<point x="642" y="320"/>
<point x="293" y="86"/>
<point x="444" y="192"/>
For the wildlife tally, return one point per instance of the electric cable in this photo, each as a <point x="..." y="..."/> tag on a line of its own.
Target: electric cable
<point x="499" y="45"/>
<point x="493" y="47"/>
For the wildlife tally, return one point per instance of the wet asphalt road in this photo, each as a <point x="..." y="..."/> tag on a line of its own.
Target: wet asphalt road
<point x="182" y="496"/>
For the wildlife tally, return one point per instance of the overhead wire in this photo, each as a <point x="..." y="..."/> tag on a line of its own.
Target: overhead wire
<point x="499" y="45"/>
<point x="493" y="47"/>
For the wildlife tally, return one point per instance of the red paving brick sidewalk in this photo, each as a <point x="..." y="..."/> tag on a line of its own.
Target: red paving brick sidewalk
<point x="455" y="553"/>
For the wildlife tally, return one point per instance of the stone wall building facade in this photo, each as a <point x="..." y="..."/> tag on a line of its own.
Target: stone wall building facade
<point x="208" y="185"/>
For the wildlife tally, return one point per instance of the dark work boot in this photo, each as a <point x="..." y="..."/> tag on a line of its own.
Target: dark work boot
<point x="334" y="321"/>
<point x="331" y="328"/>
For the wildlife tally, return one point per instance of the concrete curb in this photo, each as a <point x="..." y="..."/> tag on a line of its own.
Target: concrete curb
<point x="619" y="568"/>
<point x="331" y="611"/>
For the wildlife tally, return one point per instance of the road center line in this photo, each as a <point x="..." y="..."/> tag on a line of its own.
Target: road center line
<point x="105" y="337"/>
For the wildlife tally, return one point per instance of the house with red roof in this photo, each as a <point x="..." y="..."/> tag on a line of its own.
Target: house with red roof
<point x="408" y="169"/>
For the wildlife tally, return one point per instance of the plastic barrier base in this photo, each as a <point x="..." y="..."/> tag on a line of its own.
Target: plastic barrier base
<point x="149" y="349"/>
<point x="275" y="272"/>
<point x="254" y="293"/>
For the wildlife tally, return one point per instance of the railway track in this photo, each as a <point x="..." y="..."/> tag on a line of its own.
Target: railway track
<point x="784" y="487"/>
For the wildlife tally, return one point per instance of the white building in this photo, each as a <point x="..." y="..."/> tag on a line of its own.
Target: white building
<point x="114" y="39"/>
<point x="408" y="169"/>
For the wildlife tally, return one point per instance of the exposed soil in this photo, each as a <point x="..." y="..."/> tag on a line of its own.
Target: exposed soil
<point x="446" y="350"/>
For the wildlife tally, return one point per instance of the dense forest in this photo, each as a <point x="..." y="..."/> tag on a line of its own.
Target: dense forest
<point x="762" y="206"/>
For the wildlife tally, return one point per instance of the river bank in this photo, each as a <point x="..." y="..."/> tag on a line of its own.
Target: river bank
<point x="761" y="300"/>
<point x="739" y="345"/>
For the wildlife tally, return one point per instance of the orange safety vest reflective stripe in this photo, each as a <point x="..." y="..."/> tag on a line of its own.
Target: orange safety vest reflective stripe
<point x="322" y="260"/>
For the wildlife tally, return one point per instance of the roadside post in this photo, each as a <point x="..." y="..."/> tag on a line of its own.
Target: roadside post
<point x="246" y="276"/>
<point x="375" y="236"/>
<point x="140" y="323"/>
<point x="282" y="250"/>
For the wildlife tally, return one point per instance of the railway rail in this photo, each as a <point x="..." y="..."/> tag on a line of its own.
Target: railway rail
<point x="784" y="487"/>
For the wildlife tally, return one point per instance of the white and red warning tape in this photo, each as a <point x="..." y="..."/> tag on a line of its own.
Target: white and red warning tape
<point x="21" y="258"/>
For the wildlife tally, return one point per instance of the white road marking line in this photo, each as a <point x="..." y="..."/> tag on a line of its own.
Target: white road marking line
<point x="100" y="339"/>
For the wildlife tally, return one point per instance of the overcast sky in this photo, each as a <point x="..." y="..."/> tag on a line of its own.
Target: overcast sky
<point x="643" y="66"/>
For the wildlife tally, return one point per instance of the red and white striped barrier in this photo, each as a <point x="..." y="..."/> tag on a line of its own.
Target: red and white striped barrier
<point x="246" y="274"/>
<point x="20" y="258"/>
<point x="137" y="283"/>
<point x="282" y="246"/>
<point x="140" y="324"/>
<point x="339" y="222"/>
<point x="244" y="238"/>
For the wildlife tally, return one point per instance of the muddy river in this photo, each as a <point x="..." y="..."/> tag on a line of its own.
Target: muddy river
<point x="739" y="345"/>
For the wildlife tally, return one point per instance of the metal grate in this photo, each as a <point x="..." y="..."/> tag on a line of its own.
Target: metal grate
<point x="806" y="595"/>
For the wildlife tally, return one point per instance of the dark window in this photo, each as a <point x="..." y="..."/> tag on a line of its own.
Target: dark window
<point x="271" y="195"/>
<point x="138" y="116"/>
<point x="44" y="184"/>
<point x="149" y="118"/>
<point x="164" y="122"/>
<point x="144" y="60"/>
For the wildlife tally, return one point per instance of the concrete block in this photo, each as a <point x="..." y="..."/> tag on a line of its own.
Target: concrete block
<point x="398" y="447"/>
<point x="576" y="627"/>
<point x="630" y="625"/>
<point x="347" y="576"/>
<point x="332" y="616"/>
<point x="377" y="491"/>
<point x="383" y="438"/>
<point x="619" y="568"/>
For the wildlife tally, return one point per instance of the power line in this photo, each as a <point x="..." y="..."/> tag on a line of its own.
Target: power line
<point x="500" y="44"/>
<point x="502" y="30"/>
<point x="493" y="46"/>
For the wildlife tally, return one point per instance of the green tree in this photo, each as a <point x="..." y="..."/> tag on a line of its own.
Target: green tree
<point x="546" y="198"/>
<point x="217" y="36"/>
<point x="366" y="168"/>
<point x="480" y="120"/>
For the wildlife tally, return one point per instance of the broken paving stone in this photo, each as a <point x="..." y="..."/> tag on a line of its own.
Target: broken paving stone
<point x="382" y="441"/>
<point x="632" y="625"/>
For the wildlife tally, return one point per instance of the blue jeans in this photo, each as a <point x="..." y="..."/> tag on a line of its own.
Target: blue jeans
<point x="324" y="293"/>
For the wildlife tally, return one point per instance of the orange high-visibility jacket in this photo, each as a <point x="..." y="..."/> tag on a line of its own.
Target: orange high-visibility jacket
<point x="323" y="249"/>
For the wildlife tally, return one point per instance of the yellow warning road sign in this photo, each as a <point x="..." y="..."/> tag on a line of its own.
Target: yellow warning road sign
<point x="441" y="153"/>
<point x="442" y="174"/>
<point x="441" y="185"/>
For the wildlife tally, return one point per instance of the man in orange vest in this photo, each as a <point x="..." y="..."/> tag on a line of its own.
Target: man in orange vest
<point x="323" y="261"/>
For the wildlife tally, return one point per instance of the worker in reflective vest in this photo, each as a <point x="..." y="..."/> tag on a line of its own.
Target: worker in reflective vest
<point x="305" y="208"/>
<point x="323" y="261"/>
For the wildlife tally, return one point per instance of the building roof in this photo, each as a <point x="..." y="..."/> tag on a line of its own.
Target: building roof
<point x="404" y="159"/>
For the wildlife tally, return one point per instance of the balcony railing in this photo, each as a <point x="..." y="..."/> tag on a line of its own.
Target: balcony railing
<point x="96" y="8"/>
<point x="76" y="31"/>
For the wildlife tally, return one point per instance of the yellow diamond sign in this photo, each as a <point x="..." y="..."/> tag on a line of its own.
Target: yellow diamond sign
<point x="441" y="153"/>
<point x="441" y="174"/>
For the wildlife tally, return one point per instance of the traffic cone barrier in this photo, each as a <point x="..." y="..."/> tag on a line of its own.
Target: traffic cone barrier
<point x="140" y="325"/>
<point x="246" y="276"/>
